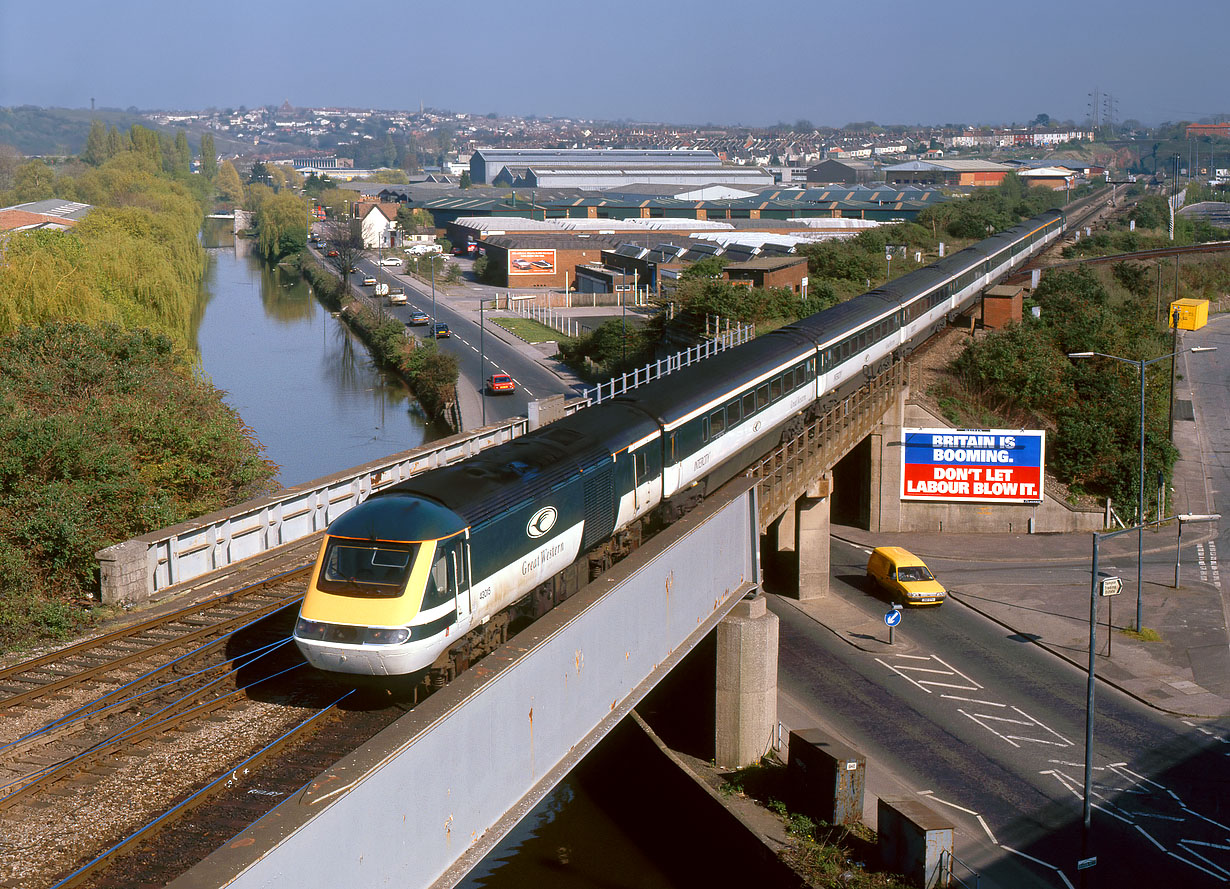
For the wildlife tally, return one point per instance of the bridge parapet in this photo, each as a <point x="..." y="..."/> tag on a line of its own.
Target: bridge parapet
<point x="788" y="472"/>
<point x="136" y="570"/>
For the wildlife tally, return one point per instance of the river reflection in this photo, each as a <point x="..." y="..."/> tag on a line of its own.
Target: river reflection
<point x="305" y="385"/>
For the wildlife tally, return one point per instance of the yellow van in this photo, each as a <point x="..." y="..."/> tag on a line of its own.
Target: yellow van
<point x="900" y="572"/>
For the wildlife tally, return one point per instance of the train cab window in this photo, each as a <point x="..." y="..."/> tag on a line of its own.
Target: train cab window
<point x="670" y="448"/>
<point x="775" y="388"/>
<point x="438" y="591"/>
<point x="640" y="466"/>
<point x="762" y="397"/>
<point x="378" y="570"/>
<point x="717" y="422"/>
<point x="749" y="404"/>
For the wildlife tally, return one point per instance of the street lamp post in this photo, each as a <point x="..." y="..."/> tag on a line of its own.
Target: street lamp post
<point x="482" y="360"/>
<point x="1140" y="492"/>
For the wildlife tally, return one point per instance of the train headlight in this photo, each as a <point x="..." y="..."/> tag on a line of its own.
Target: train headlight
<point x="378" y="636"/>
<point x="310" y="629"/>
<point x="314" y="630"/>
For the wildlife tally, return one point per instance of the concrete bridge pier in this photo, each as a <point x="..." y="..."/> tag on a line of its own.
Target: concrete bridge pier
<point x="812" y="542"/>
<point x="746" y="711"/>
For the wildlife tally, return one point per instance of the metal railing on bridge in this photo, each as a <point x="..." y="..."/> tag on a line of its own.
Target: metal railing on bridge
<point x="619" y="385"/>
<point x="794" y="465"/>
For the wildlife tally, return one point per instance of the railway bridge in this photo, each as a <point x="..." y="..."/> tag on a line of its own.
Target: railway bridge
<point x="561" y="685"/>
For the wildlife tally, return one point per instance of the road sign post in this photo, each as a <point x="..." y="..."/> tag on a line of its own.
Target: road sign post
<point x="891" y="619"/>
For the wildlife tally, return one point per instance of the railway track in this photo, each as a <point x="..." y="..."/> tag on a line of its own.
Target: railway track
<point x="107" y="744"/>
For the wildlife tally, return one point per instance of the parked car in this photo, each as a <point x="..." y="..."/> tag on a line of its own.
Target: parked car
<point x="501" y="384"/>
<point x="332" y="253"/>
<point x="369" y="281"/>
<point x="391" y="261"/>
<point x="440" y="331"/>
<point x="418" y="319"/>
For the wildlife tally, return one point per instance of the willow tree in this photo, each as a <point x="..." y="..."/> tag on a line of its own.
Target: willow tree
<point x="229" y="185"/>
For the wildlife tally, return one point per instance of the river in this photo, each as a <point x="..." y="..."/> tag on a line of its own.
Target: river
<point x="303" y="383"/>
<point x="313" y="397"/>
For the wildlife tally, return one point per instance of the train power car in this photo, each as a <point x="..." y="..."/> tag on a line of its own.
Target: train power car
<point x="428" y="573"/>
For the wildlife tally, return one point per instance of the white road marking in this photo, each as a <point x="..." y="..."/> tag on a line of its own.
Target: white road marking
<point x="987" y="829"/>
<point x="1037" y="861"/>
<point x="1207" y="861"/>
<point x="974" y="701"/>
<point x="1196" y="866"/>
<point x="931" y="795"/>
<point x="1146" y="835"/>
<point x="903" y="676"/>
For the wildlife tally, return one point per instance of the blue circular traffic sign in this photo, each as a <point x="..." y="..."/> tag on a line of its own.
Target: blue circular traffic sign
<point x="892" y="618"/>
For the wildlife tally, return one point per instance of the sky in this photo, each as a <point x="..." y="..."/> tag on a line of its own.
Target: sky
<point x="673" y="61"/>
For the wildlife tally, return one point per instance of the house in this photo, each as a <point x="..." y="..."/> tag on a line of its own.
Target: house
<point x="379" y="223"/>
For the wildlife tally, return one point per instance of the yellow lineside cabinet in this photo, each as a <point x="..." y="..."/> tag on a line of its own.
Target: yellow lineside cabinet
<point x="1192" y="314"/>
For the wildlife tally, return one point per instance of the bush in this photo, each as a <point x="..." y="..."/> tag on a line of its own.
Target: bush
<point x="105" y="434"/>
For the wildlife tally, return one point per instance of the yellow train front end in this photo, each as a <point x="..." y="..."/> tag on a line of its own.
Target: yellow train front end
<point x="381" y="601"/>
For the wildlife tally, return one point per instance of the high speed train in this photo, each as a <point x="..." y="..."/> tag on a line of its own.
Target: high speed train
<point x="426" y="574"/>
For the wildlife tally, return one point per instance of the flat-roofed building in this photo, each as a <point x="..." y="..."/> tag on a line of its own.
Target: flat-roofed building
<point x="953" y="173"/>
<point x="768" y="271"/>
<point x="487" y="163"/>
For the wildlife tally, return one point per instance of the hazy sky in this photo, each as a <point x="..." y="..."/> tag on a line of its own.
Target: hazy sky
<point x="681" y="61"/>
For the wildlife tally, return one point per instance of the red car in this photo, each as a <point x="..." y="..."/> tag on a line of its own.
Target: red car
<point x="501" y="384"/>
<point x="332" y="253"/>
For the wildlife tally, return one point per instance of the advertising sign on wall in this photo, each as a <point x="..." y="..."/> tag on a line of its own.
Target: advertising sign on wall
<point x="531" y="262"/>
<point x="973" y="465"/>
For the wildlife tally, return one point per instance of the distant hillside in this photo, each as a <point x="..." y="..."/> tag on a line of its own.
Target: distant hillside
<point x="34" y="130"/>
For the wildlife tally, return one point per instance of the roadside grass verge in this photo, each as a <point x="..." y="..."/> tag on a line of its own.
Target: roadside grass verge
<point x="530" y="331"/>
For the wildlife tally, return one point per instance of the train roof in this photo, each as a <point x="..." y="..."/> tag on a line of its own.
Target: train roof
<point x="499" y="478"/>
<point x="673" y="397"/>
<point x="397" y="517"/>
<point x="843" y="317"/>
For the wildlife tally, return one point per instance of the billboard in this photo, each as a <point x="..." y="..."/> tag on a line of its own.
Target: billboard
<point x="531" y="262"/>
<point x="973" y="465"/>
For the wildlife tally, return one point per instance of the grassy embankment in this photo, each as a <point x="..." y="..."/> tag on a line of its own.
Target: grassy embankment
<point x="107" y="428"/>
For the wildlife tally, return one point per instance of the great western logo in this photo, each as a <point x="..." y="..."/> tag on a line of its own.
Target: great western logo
<point x="980" y="465"/>
<point x="541" y="522"/>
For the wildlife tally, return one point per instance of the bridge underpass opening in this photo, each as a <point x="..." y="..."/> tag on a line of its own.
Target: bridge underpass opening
<point x="852" y="488"/>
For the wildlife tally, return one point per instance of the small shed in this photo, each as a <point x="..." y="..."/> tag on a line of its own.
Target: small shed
<point x="1001" y="306"/>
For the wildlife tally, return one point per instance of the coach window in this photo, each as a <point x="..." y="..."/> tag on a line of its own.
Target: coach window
<point x="732" y="412"/>
<point x="749" y="404"/>
<point x="717" y="422"/>
<point x="762" y="397"/>
<point x="775" y="388"/>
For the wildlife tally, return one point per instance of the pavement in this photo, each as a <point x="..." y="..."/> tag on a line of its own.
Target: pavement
<point x="1186" y="673"/>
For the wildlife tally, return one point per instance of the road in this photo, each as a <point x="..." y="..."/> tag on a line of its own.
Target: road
<point x="470" y="344"/>
<point x="989" y="729"/>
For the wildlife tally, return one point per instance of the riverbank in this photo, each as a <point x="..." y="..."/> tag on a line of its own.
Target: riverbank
<point x="430" y="373"/>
